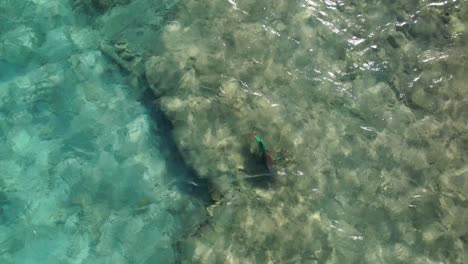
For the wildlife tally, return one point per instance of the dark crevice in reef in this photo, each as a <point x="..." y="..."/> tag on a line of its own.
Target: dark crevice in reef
<point x="193" y="185"/>
<point x="196" y="187"/>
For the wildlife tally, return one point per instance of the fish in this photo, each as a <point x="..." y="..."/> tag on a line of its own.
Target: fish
<point x="270" y="163"/>
<point x="268" y="160"/>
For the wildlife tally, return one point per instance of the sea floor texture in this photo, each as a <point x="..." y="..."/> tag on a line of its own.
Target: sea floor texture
<point x="233" y="131"/>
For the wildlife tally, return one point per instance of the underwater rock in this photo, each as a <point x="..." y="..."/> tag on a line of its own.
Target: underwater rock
<point x="376" y="104"/>
<point x="396" y="40"/>
<point x="162" y="75"/>
<point x="423" y="100"/>
<point x="87" y="64"/>
<point x="124" y="57"/>
<point x="17" y="46"/>
<point x="102" y="4"/>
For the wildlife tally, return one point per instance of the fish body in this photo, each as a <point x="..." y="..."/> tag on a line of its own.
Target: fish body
<point x="270" y="163"/>
<point x="267" y="158"/>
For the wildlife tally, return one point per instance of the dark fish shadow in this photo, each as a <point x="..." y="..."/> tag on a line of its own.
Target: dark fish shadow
<point x="256" y="173"/>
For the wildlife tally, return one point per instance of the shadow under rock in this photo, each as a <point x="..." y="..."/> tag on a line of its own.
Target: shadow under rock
<point x="191" y="183"/>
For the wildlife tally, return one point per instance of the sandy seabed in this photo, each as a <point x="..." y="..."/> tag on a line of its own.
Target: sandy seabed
<point x="364" y="104"/>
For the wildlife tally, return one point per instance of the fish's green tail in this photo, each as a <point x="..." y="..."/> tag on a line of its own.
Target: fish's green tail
<point x="261" y="145"/>
<point x="263" y="148"/>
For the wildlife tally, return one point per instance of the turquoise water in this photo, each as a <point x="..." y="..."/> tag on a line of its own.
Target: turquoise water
<point x="87" y="174"/>
<point x="127" y="131"/>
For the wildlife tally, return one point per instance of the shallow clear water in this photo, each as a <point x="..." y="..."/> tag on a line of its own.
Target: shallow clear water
<point x="87" y="175"/>
<point x="364" y="102"/>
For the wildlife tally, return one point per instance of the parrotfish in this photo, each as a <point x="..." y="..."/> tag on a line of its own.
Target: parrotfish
<point x="268" y="160"/>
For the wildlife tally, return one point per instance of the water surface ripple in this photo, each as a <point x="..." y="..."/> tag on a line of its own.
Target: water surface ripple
<point x="362" y="105"/>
